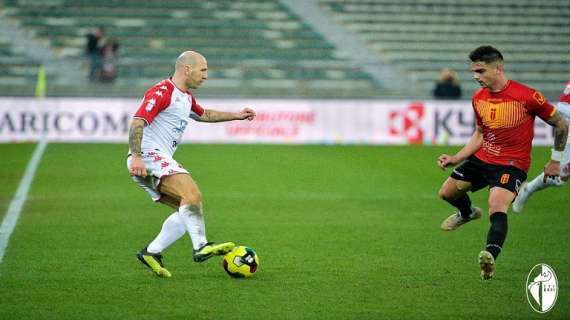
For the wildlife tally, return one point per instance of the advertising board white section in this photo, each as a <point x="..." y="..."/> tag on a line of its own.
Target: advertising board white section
<point x="278" y="121"/>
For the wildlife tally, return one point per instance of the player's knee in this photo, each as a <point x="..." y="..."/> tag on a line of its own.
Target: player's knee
<point x="443" y="194"/>
<point x="447" y="194"/>
<point x="193" y="199"/>
<point x="495" y="206"/>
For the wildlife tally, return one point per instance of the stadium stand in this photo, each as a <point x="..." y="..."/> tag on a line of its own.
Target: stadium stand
<point x="421" y="37"/>
<point x="261" y="48"/>
<point x="254" y="47"/>
<point x="17" y="71"/>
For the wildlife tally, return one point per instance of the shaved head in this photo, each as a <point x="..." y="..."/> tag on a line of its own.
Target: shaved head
<point x="188" y="58"/>
<point x="190" y="70"/>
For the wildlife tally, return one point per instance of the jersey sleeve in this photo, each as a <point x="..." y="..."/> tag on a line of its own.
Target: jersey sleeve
<point x="196" y="108"/>
<point x="478" y="119"/>
<point x="540" y="106"/>
<point x="155" y="100"/>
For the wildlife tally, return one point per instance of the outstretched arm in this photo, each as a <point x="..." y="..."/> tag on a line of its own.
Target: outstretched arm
<point x="135" y="139"/>
<point x="219" y="116"/>
<point x="552" y="168"/>
<point x="470" y="148"/>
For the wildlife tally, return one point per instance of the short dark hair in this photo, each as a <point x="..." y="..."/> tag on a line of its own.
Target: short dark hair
<point x="487" y="54"/>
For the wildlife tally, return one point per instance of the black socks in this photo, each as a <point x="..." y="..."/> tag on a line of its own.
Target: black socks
<point x="497" y="233"/>
<point x="462" y="203"/>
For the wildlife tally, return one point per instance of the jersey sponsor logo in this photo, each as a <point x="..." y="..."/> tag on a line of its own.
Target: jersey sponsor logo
<point x="490" y="145"/>
<point x="181" y="127"/>
<point x="538" y="97"/>
<point x="505" y="178"/>
<point x="542" y="288"/>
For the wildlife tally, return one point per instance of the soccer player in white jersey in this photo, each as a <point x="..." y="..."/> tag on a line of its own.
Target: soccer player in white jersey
<point x="154" y="135"/>
<point x="540" y="182"/>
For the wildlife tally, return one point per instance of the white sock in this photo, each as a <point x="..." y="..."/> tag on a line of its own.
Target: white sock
<point x="194" y="221"/>
<point x="173" y="229"/>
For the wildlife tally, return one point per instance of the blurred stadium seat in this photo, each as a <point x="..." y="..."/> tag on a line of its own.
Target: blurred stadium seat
<point x="258" y="48"/>
<point x="17" y="71"/>
<point x="421" y="37"/>
<point x="254" y="47"/>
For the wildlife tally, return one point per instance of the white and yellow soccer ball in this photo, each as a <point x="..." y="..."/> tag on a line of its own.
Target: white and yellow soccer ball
<point x="241" y="262"/>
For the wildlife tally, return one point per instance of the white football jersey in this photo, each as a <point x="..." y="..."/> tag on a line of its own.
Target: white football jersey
<point x="564" y="104"/>
<point x="166" y="111"/>
<point x="564" y="109"/>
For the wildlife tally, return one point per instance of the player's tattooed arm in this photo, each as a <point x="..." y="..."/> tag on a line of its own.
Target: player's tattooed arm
<point x="135" y="136"/>
<point x="560" y="130"/>
<point x="216" y="116"/>
<point x="219" y="116"/>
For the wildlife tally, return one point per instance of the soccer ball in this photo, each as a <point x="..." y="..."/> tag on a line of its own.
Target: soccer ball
<point x="241" y="262"/>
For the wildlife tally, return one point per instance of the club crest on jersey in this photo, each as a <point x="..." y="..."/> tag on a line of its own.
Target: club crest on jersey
<point x="149" y="105"/>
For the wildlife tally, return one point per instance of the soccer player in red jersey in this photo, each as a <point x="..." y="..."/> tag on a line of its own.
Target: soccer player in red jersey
<point x="498" y="153"/>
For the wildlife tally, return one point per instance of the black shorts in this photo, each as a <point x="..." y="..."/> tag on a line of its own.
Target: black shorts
<point x="482" y="174"/>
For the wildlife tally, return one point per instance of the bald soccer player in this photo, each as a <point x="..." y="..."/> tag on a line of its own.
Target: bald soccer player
<point x="154" y="135"/>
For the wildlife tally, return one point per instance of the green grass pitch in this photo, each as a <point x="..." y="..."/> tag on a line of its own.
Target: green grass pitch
<point x="343" y="232"/>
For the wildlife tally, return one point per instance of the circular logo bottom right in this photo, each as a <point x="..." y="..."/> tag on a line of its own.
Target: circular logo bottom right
<point x="541" y="288"/>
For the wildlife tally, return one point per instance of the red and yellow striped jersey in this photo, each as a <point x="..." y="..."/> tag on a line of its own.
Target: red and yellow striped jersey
<point x="507" y="120"/>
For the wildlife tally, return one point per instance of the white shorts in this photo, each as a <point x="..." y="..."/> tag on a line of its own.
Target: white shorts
<point x="157" y="166"/>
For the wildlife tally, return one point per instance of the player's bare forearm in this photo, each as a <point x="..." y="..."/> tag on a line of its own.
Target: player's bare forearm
<point x="217" y="116"/>
<point x="560" y="131"/>
<point x="444" y="161"/>
<point x="472" y="145"/>
<point x="135" y="136"/>
<point x="220" y="116"/>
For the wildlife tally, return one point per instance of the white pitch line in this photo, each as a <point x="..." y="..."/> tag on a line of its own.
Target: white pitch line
<point x="13" y="213"/>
